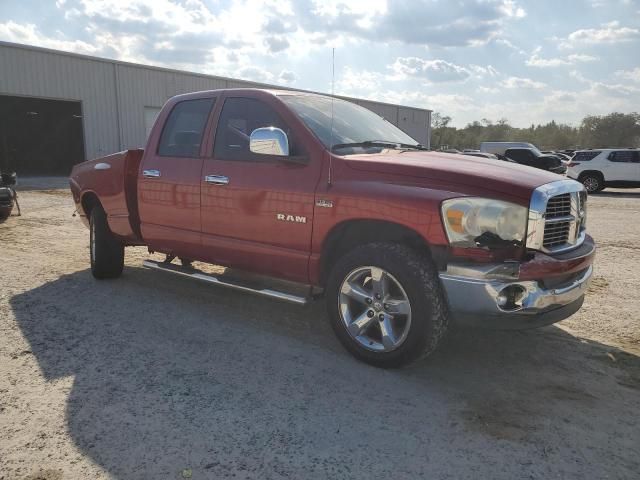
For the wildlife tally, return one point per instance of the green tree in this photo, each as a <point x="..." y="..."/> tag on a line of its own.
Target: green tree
<point x="613" y="130"/>
<point x="439" y="132"/>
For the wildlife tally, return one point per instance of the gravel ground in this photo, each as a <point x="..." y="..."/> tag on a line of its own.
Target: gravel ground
<point x="151" y="376"/>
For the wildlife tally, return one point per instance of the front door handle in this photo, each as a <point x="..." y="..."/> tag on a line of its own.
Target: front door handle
<point x="216" y="179"/>
<point x="151" y="173"/>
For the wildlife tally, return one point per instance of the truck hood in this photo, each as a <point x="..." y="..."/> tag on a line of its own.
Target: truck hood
<point x="497" y="175"/>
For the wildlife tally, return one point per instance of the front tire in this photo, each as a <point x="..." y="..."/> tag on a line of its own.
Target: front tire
<point x="106" y="251"/>
<point x="386" y="305"/>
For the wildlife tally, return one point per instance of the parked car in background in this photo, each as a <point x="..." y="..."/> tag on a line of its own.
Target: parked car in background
<point x="533" y="157"/>
<point x="562" y="156"/>
<point x="607" y="167"/>
<point x="8" y="195"/>
<point x="498" y="148"/>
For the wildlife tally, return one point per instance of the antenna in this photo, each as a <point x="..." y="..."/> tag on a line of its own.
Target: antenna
<point x="333" y="87"/>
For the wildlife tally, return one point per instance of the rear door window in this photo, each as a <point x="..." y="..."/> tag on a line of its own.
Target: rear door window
<point x="585" y="156"/>
<point x="183" y="130"/>
<point x="624" y="156"/>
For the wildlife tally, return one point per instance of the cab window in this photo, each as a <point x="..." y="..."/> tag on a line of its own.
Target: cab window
<point x="183" y="130"/>
<point x="240" y="117"/>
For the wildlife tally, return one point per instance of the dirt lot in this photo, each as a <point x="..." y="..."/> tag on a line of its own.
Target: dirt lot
<point x="151" y="376"/>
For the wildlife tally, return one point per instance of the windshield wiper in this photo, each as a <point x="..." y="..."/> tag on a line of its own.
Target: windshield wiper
<point x="380" y="143"/>
<point x="417" y="146"/>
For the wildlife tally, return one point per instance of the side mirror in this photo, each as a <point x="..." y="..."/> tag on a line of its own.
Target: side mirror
<point x="269" y="141"/>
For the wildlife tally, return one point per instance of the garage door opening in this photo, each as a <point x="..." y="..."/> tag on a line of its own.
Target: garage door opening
<point x="40" y="136"/>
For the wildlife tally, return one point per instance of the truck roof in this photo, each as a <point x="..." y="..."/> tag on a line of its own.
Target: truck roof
<point x="270" y="91"/>
<point x="275" y="92"/>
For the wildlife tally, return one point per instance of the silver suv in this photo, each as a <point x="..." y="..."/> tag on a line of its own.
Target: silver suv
<point x="606" y="167"/>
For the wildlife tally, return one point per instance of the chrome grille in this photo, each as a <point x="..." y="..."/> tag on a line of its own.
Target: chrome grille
<point x="556" y="234"/>
<point x="558" y="220"/>
<point x="557" y="216"/>
<point x="559" y="206"/>
<point x="562" y="224"/>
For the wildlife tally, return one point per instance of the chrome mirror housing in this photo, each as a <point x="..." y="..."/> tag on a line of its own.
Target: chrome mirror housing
<point x="269" y="141"/>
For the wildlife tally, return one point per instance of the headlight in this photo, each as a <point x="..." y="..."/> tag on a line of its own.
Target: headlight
<point x="471" y="222"/>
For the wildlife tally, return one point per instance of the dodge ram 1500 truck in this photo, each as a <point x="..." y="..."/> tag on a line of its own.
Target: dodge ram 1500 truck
<point x="325" y="196"/>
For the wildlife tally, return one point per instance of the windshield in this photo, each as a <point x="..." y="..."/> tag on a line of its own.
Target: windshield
<point x="536" y="152"/>
<point x="351" y="123"/>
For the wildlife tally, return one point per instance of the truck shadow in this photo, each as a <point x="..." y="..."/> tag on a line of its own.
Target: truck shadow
<point x="171" y="374"/>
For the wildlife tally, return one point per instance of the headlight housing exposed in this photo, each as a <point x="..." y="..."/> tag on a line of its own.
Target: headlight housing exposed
<point x="482" y="222"/>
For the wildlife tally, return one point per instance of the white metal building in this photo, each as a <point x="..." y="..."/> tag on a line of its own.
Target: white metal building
<point x="59" y="108"/>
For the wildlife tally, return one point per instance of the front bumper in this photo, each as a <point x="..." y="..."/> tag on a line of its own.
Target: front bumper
<point x="474" y="294"/>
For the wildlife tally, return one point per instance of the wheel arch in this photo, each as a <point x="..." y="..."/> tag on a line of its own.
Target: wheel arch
<point x="349" y="234"/>
<point x="584" y="173"/>
<point x="88" y="202"/>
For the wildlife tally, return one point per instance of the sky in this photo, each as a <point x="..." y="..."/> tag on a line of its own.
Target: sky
<point x="526" y="61"/>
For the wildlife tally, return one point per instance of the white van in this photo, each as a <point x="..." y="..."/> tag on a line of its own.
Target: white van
<point x="500" y="147"/>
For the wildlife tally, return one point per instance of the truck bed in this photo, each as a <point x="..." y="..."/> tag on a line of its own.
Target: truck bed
<point x="112" y="179"/>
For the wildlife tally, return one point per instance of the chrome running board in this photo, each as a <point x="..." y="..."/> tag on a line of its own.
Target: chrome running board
<point x="234" y="284"/>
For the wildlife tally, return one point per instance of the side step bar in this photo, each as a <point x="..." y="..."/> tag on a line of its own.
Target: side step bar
<point x="234" y="284"/>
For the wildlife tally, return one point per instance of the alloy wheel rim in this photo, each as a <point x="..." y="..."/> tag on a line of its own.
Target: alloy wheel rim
<point x="375" y="309"/>
<point x="591" y="184"/>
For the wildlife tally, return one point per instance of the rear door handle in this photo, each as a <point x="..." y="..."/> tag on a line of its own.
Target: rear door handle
<point x="216" y="179"/>
<point x="151" y="173"/>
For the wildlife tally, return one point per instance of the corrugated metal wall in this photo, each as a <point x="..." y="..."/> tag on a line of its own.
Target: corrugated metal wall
<point x="114" y="95"/>
<point x="42" y="74"/>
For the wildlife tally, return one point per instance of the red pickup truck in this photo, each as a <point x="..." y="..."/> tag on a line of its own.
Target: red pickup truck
<point x="320" y="193"/>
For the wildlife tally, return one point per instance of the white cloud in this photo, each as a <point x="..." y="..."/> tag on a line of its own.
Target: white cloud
<point x="443" y="102"/>
<point x="511" y="9"/>
<point x="522" y="83"/>
<point x="255" y="74"/>
<point x="362" y="82"/>
<point x="28" y="33"/>
<point x="616" y="90"/>
<point x="433" y="70"/>
<point x="481" y="72"/>
<point x="536" y="61"/>
<point x="419" y="22"/>
<point x="608" y="33"/>
<point x="507" y="43"/>
<point x="489" y="90"/>
<point x="633" y="75"/>
<point x="277" y="43"/>
<point x="287" y="77"/>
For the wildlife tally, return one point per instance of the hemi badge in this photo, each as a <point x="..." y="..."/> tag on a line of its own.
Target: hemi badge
<point x="324" y="203"/>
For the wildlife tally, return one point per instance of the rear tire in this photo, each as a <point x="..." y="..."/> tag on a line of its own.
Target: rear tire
<point x="593" y="182"/>
<point x="362" y="319"/>
<point x="106" y="251"/>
